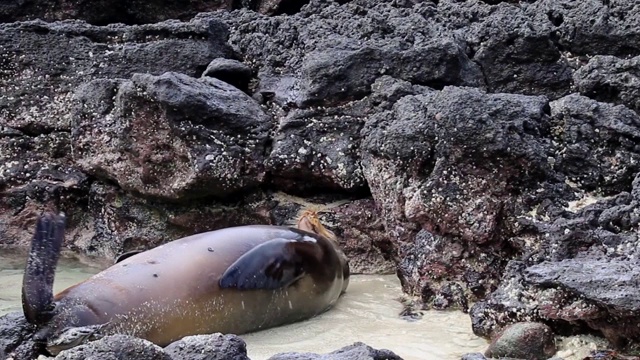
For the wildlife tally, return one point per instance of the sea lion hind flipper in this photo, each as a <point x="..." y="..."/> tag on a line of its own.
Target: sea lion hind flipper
<point x="37" y="283"/>
<point x="272" y="265"/>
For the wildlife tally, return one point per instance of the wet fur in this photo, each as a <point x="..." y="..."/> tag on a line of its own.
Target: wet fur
<point x="37" y="285"/>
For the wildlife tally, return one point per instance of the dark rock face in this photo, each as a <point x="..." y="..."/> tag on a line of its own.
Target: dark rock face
<point x="523" y="341"/>
<point x="44" y="63"/>
<point x="101" y="12"/>
<point x="335" y="55"/>
<point x="455" y="185"/>
<point x="605" y="288"/>
<point x="208" y="347"/>
<point x="592" y="27"/>
<point x="472" y="146"/>
<point x="15" y="337"/>
<point x="106" y="12"/>
<point x="138" y="133"/>
<point x="611" y="79"/>
<point x="357" y="351"/>
<point x="596" y="143"/>
<point x="41" y="66"/>
<point x="115" y="347"/>
<point x="230" y="71"/>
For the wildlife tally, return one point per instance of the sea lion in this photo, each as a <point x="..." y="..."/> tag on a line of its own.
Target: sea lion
<point x="233" y="280"/>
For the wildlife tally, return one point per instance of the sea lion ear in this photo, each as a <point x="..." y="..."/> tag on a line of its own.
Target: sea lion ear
<point x="37" y="283"/>
<point x="275" y="264"/>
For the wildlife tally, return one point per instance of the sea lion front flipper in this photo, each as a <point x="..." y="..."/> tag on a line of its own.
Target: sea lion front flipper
<point x="37" y="283"/>
<point x="127" y="255"/>
<point x="272" y="265"/>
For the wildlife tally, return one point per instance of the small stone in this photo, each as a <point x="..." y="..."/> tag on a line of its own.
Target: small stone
<point x="356" y="351"/>
<point x="208" y="347"/>
<point x="525" y="340"/>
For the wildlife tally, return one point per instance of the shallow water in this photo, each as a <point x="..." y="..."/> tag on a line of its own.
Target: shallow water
<point x="368" y="312"/>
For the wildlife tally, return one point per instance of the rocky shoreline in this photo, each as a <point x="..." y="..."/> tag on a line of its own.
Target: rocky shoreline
<point x="485" y="151"/>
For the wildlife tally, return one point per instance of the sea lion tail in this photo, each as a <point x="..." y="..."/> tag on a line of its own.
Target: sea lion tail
<point x="37" y="283"/>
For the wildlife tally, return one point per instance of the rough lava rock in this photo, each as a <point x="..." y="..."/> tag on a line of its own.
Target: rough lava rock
<point x="208" y="347"/>
<point x="518" y="54"/>
<point x="15" y="335"/>
<point x="115" y="347"/>
<point x="329" y="54"/>
<point x="356" y="351"/>
<point x="470" y="141"/>
<point x="443" y="190"/>
<point x="592" y="27"/>
<point x="611" y="79"/>
<point x="41" y="65"/>
<point x="170" y="136"/>
<point x="607" y="287"/>
<point x="15" y="344"/>
<point x="102" y="12"/>
<point x="595" y="144"/>
<point x="230" y="71"/>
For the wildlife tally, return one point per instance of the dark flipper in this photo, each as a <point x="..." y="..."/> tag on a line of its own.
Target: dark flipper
<point x="272" y="265"/>
<point x="37" y="283"/>
<point x="127" y="255"/>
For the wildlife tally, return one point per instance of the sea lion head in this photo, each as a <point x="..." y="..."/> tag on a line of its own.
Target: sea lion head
<point x="309" y="220"/>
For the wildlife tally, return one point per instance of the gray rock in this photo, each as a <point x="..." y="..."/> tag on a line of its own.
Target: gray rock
<point x="318" y="149"/>
<point x="357" y="351"/>
<point x="595" y="143"/>
<point x="523" y="341"/>
<point x="170" y="136"/>
<point x="208" y="347"/>
<point x="230" y="71"/>
<point x="611" y="79"/>
<point x="606" y="287"/>
<point x="584" y="292"/>
<point x="115" y="347"/>
<point x="362" y="233"/>
<point x="462" y="188"/>
<point x="517" y="53"/>
<point x="100" y="12"/>
<point x="335" y="56"/>
<point x="43" y="63"/>
<point x="15" y="334"/>
<point x="425" y="165"/>
<point x="592" y="27"/>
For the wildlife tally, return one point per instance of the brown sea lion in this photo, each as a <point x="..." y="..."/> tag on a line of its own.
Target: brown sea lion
<point x="234" y="280"/>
